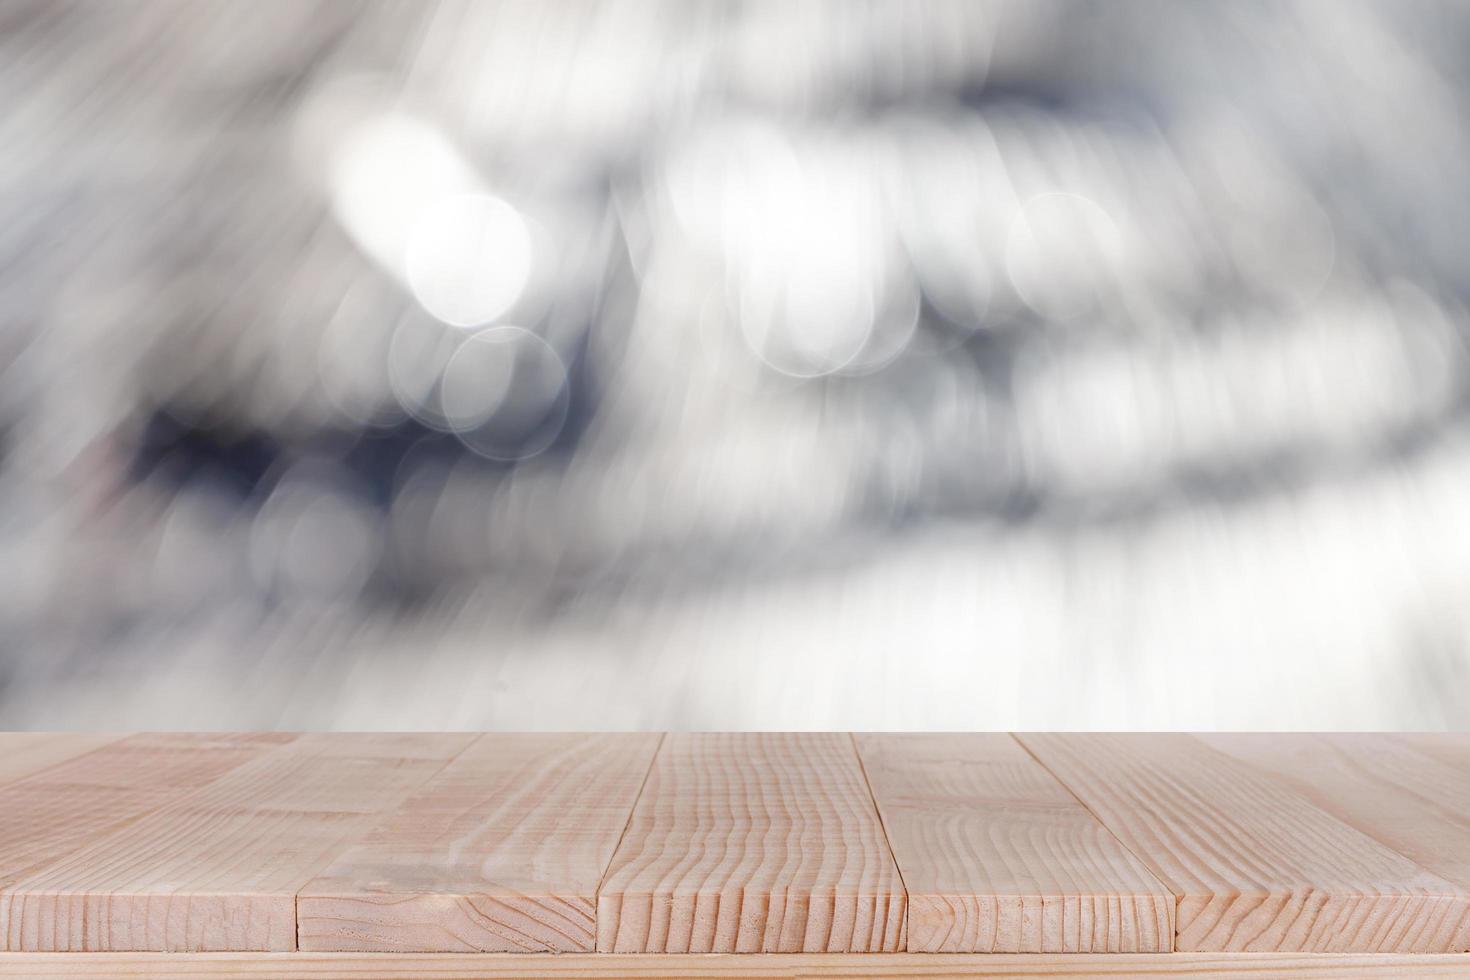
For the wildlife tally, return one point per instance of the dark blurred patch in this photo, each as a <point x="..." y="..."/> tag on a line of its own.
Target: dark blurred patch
<point x="177" y="453"/>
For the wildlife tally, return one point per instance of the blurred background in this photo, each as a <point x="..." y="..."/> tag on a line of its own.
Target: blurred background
<point x="737" y="365"/>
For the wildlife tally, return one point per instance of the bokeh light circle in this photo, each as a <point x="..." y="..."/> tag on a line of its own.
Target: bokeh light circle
<point x="505" y="393"/>
<point x="468" y="258"/>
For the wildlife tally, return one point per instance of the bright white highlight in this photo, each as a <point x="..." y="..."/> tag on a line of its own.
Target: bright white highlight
<point x="803" y="237"/>
<point x="468" y="259"/>
<point x="416" y="207"/>
<point x="384" y="173"/>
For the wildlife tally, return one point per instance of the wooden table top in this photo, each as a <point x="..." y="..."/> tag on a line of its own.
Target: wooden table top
<point x="1105" y="850"/>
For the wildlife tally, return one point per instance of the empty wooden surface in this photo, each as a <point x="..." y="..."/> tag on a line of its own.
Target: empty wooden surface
<point x="219" y="869"/>
<point x="753" y="843"/>
<point x="65" y="807"/>
<point x="24" y="753"/>
<point x="997" y="856"/>
<point x="502" y="851"/>
<point x="1453" y="749"/>
<point x="1255" y="865"/>
<point x="1271" y="854"/>
<point x="1380" y="784"/>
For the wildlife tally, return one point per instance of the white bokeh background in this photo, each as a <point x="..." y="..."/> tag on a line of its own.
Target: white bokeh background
<point x="668" y="365"/>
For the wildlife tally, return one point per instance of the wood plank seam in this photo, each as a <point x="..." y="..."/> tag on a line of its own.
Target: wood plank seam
<point x="1258" y="867"/>
<point x="149" y="780"/>
<point x="71" y="910"/>
<point x="1173" y="940"/>
<point x="1313" y="857"/>
<point x="628" y="822"/>
<point x="1408" y="800"/>
<point x="996" y="856"/>
<point x="296" y="896"/>
<point x="699" y="870"/>
<point x="504" y="851"/>
<point x="1289" y="785"/>
<point x="887" y="841"/>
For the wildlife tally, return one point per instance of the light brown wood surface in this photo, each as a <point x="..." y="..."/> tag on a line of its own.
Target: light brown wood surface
<point x="1380" y="784"/>
<point x="65" y="806"/>
<point x="674" y="966"/>
<point x="1256" y="866"/>
<point x="1282" y="851"/>
<point x="219" y="869"/>
<point x="502" y="851"/>
<point x="753" y="843"/>
<point x="24" y="753"/>
<point x="997" y="856"/>
<point x="1453" y="749"/>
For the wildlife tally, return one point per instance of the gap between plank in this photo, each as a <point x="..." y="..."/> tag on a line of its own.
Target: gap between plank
<point x="883" y="826"/>
<point x="1147" y="866"/>
<point x="628" y="823"/>
<point x="296" y="896"/>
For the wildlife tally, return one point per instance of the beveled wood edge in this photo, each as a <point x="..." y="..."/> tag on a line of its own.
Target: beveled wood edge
<point x="627" y="966"/>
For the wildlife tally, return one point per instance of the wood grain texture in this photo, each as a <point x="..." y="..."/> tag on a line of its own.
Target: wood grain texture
<point x="502" y="851"/>
<point x="219" y="869"/>
<point x="25" y="753"/>
<point x="1380" y="784"/>
<point x="632" y="966"/>
<point x="1256" y="865"/>
<point x="753" y="843"/>
<point x="997" y="856"/>
<point x="67" y="805"/>
<point x="1451" y="748"/>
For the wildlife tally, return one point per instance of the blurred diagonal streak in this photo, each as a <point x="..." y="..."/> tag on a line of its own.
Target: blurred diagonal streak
<point x="665" y="365"/>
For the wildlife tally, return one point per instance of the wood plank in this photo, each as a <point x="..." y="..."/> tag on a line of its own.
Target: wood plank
<point x="1380" y="784"/>
<point x="66" y="806"/>
<point x="753" y="843"/>
<point x="25" y="753"/>
<point x="502" y="851"/>
<point x="998" y="857"/>
<point x="798" y="966"/>
<point x="219" y="869"/>
<point x="1451" y="748"/>
<point x="1257" y="866"/>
